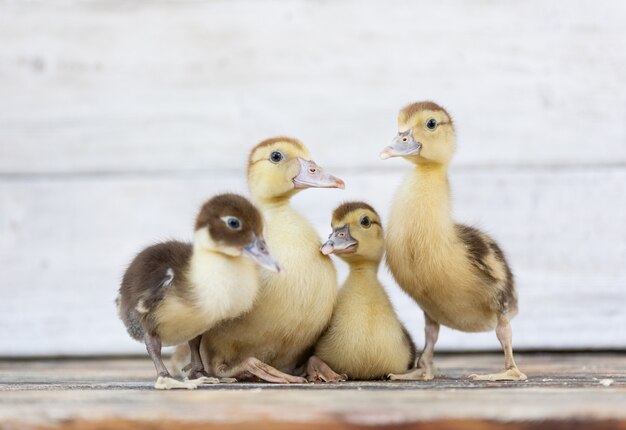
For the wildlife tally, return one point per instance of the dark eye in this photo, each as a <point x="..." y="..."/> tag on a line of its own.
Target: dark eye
<point x="431" y="124"/>
<point x="365" y="221"/>
<point x="232" y="222"/>
<point x="276" y="157"/>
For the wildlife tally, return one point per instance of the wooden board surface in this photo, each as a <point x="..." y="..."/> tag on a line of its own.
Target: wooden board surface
<point x="118" y="119"/>
<point x="96" y="392"/>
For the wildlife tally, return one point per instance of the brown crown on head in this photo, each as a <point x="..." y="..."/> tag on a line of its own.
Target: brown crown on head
<point x="224" y="205"/>
<point x="410" y="110"/>
<point x="347" y="207"/>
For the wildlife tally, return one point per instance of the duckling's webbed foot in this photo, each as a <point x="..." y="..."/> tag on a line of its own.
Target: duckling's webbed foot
<point x="318" y="371"/>
<point x="417" y="374"/>
<point x="169" y="383"/>
<point x="510" y="372"/>
<point x="257" y="368"/>
<point x="197" y="374"/>
<point x="201" y="377"/>
<point x="506" y="375"/>
<point x="164" y="379"/>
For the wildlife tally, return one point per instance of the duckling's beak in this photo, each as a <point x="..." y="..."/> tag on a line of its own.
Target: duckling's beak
<point x="313" y="176"/>
<point x="257" y="251"/>
<point x="403" y="144"/>
<point x="340" y="242"/>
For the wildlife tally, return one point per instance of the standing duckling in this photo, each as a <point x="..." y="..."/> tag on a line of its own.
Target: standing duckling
<point x="172" y="292"/>
<point x="365" y="339"/>
<point x="457" y="274"/>
<point x="274" y="340"/>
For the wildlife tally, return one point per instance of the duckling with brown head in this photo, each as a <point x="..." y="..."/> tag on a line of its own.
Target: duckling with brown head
<point x="172" y="292"/>
<point x="457" y="274"/>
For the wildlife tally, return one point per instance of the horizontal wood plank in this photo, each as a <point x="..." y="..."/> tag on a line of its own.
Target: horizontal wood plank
<point x="64" y="244"/>
<point x="563" y="391"/>
<point x="188" y="85"/>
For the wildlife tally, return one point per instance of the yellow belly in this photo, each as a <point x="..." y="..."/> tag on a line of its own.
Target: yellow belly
<point x="365" y="339"/>
<point x="291" y="310"/>
<point x="444" y="286"/>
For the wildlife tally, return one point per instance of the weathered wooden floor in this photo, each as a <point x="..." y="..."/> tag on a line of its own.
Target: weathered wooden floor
<point x="569" y="390"/>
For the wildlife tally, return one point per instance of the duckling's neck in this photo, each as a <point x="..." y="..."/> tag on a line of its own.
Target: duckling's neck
<point x="363" y="282"/>
<point x="431" y="211"/>
<point x="363" y="273"/>
<point x="204" y="261"/>
<point x="199" y="257"/>
<point x="273" y="202"/>
<point x="364" y="267"/>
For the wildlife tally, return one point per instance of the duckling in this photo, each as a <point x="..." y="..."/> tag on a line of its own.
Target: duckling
<point x="365" y="339"/>
<point x="172" y="292"/>
<point x="274" y="339"/>
<point x="457" y="274"/>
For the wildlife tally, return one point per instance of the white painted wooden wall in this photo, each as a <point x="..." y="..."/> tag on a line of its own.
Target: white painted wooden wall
<point x="118" y="118"/>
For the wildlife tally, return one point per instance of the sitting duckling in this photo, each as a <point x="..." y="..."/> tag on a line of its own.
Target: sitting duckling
<point x="273" y="341"/>
<point x="457" y="274"/>
<point x="172" y="292"/>
<point x="365" y="339"/>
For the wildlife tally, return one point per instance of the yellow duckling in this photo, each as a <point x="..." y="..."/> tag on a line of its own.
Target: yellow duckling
<point x="457" y="274"/>
<point x="365" y="339"/>
<point x="274" y="340"/>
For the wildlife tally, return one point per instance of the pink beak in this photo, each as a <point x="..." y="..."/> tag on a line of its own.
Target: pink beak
<point x="313" y="176"/>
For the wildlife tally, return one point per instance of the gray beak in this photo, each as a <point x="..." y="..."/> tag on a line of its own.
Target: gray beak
<point x="403" y="144"/>
<point x="340" y="242"/>
<point x="257" y="251"/>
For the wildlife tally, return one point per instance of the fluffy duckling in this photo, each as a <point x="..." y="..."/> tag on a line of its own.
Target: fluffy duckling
<point x="365" y="339"/>
<point x="172" y="292"/>
<point x="457" y="274"/>
<point x="274" y="339"/>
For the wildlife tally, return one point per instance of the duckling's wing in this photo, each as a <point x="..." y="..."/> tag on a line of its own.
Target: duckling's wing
<point x="483" y="252"/>
<point x="476" y="246"/>
<point x="489" y="260"/>
<point x="152" y="273"/>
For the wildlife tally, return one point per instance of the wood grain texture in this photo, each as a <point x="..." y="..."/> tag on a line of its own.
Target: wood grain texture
<point x="117" y="119"/>
<point x="565" y="389"/>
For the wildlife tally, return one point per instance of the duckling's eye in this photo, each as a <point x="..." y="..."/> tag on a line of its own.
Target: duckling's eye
<point x="276" y="157"/>
<point x="232" y="223"/>
<point x="431" y="124"/>
<point x="365" y="221"/>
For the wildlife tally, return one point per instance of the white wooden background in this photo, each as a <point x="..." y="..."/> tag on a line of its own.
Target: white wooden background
<point x="118" y="118"/>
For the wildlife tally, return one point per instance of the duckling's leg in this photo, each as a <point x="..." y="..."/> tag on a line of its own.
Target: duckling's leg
<point x="510" y="372"/>
<point x="256" y="367"/>
<point x="423" y="371"/>
<point x="164" y="379"/>
<point x="180" y="361"/>
<point x="318" y="371"/>
<point x="197" y="374"/>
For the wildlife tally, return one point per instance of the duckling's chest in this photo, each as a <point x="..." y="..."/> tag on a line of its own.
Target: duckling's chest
<point x="217" y="288"/>
<point x="310" y="280"/>
<point x="365" y="338"/>
<point x="224" y="286"/>
<point x="427" y="260"/>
